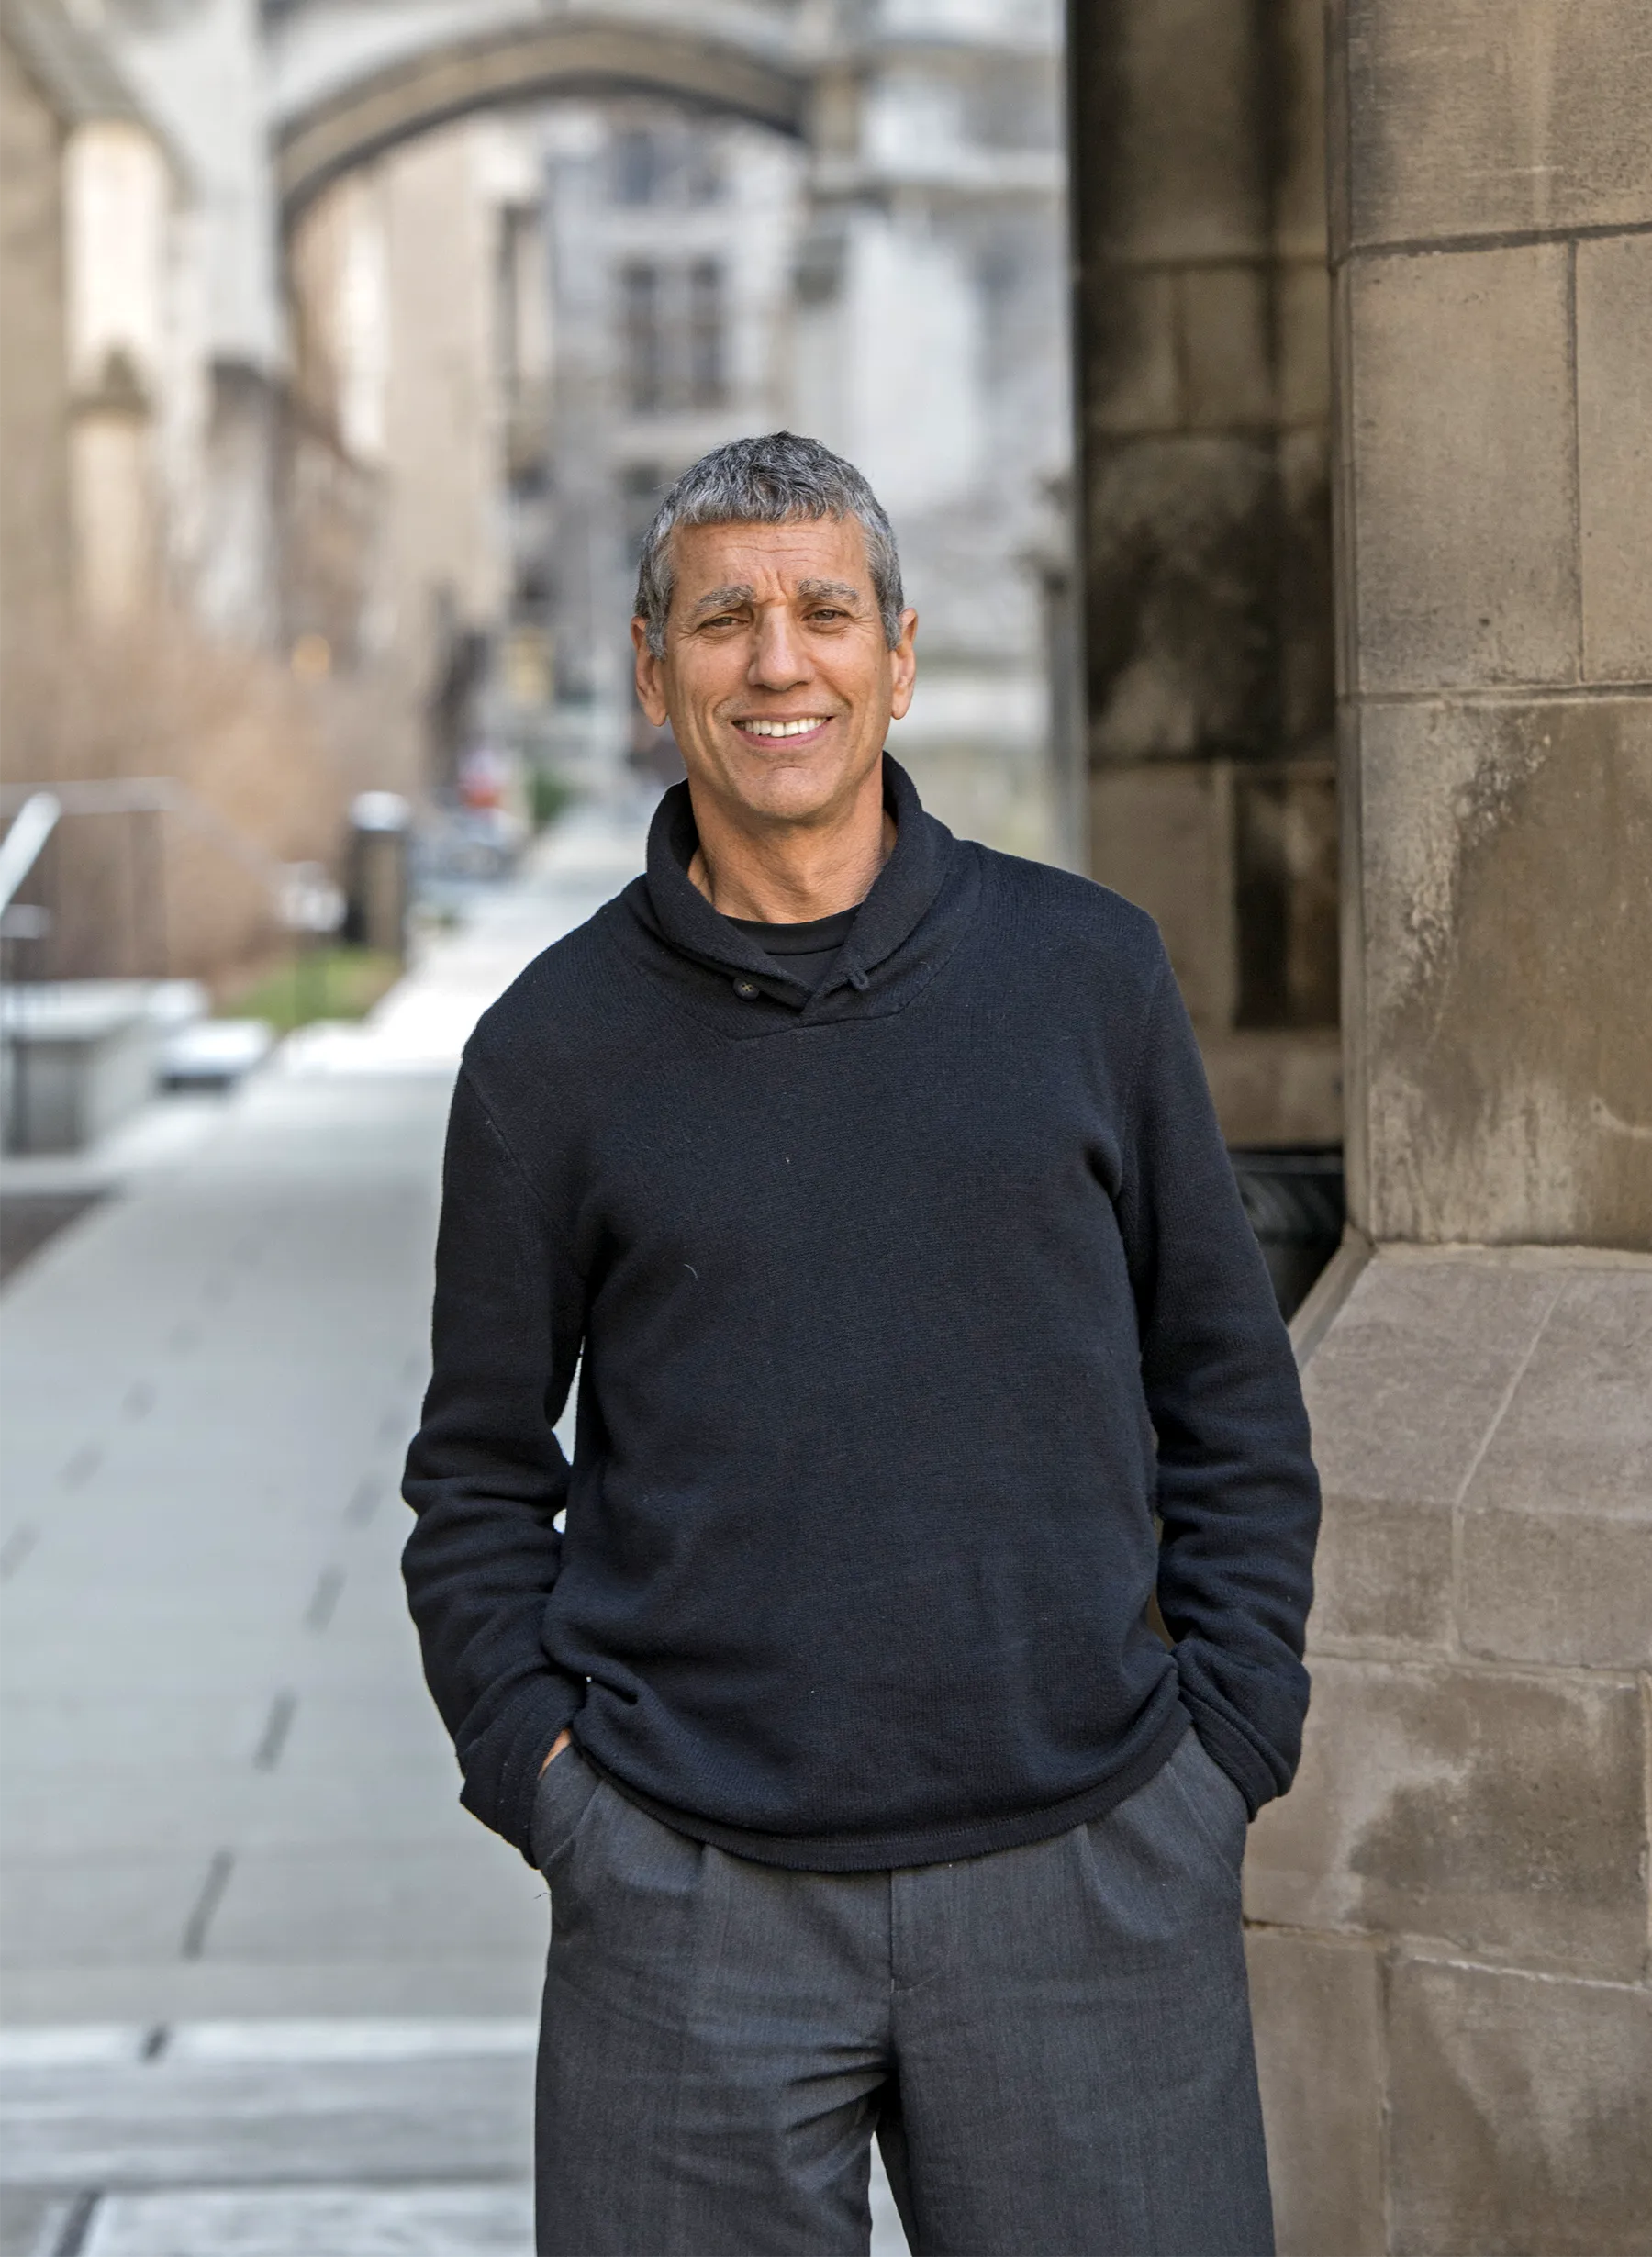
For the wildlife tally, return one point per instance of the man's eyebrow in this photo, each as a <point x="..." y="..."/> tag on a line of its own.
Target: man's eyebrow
<point x="724" y="598"/>
<point x="840" y="590"/>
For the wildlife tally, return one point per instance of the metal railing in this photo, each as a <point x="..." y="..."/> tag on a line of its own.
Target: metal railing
<point x="303" y="896"/>
<point x="36" y="821"/>
<point x="85" y="948"/>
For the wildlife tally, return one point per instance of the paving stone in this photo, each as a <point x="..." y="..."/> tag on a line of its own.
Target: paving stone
<point x="1318" y="2010"/>
<point x="1504" y="1813"/>
<point x="340" y="2038"/>
<point x="73" y="2045"/>
<point x="1442" y="468"/>
<point x="162" y="1730"/>
<point x="367" y="1809"/>
<point x="1520" y="2114"/>
<point x="888" y="2236"/>
<point x="452" y="1981"/>
<point x="442" y="2221"/>
<point x="216" y="2123"/>
<point x="386" y="1901"/>
<point x="1468" y="120"/>
<point x="85" y="1912"/>
<point x="363" y="1728"/>
<point x="32" y="2224"/>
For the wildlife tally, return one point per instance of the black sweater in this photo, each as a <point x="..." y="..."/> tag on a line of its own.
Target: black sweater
<point x="905" y="1303"/>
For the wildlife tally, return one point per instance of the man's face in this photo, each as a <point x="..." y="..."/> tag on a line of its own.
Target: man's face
<point x="776" y="679"/>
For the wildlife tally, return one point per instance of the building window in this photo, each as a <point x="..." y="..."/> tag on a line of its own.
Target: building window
<point x="638" y="166"/>
<point x="642" y="489"/>
<point x="640" y="296"/>
<point x="664" y="164"/>
<point x="705" y="379"/>
<point x="673" y="337"/>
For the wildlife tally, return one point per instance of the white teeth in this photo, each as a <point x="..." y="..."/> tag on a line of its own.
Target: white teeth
<point x="784" y="728"/>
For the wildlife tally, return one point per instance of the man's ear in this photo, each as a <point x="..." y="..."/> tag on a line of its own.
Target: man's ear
<point x="651" y="695"/>
<point x="903" y="665"/>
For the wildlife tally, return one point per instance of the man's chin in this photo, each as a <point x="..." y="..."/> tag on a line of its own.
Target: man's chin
<point x="799" y="790"/>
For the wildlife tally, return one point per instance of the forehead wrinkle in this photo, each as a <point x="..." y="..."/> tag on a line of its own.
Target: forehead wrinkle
<point x="720" y="598"/>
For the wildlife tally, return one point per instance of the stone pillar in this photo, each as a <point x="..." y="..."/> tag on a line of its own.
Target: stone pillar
<point x="35" y="545"/>
<point x="1449" y="1913"/>
<point x="1203" y="381"/>
<point x="1491" y="181"/>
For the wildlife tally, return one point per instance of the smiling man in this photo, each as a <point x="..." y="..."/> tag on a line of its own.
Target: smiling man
<point x="874" y="1178"/>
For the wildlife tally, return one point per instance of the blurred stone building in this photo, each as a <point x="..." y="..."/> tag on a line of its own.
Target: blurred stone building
<point x="868" y="246"/>
<point x="670" y="239"/>
<point x="152" y="477"/>
<point x="103" y="401"/>
<point x="450" y="293"/>
<point x="931" y="346"/>
<point x="411" y="307"/>
<point x="198" y="70"/>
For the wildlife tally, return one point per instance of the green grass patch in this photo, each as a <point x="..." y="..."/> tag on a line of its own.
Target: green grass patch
<point x="549" y="798"/>
<point x="318" y="983"/>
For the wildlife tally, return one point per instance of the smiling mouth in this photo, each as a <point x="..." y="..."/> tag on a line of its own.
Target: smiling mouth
<point x="771" y="732"/>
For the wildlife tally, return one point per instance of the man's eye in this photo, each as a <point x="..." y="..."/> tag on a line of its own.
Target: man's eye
<point x="827" y="612"/>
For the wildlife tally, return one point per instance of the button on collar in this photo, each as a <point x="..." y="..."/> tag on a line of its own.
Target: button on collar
<point x="747" y="988"/>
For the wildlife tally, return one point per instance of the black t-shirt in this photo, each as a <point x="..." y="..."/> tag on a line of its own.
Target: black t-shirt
<point x="808" y="949"/>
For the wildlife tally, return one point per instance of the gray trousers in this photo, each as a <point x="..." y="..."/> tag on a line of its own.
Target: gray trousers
<point x="1053" y="2043"/>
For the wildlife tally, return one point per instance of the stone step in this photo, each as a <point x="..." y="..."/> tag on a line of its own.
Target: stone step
<point x="280" y="2221"/>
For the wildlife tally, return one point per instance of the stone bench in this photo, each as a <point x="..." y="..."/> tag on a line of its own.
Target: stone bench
<point x="77" y="1058"/>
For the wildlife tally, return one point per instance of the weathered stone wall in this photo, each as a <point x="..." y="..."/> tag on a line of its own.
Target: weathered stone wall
<point x="1492" y="192"/>
<point x="34" y="385"/>
<point x="1203" y="379"/>
<point x="1450" y="1913"/>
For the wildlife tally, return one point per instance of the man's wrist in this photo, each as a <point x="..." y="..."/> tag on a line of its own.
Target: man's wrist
<point x="563" y="1739"/>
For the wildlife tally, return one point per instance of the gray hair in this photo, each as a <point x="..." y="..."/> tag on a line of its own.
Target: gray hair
<point x="775" y="480"/>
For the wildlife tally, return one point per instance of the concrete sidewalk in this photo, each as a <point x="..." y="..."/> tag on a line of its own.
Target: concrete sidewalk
<point x="268" y="1992"/>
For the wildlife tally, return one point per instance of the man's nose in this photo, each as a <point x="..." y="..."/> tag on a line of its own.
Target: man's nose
<point x="778" y="661"/>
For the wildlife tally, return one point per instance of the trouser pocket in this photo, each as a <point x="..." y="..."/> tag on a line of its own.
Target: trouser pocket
<point x="1215" y="1802"/>
<point x="567" y="1788"/>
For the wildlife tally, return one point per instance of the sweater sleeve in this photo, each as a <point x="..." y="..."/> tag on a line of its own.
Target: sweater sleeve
<point x="1237" y="1494"/>
<point x="485" y="1477"/>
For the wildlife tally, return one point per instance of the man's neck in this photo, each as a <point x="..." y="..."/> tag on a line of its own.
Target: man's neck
<point x="790" y="874"/>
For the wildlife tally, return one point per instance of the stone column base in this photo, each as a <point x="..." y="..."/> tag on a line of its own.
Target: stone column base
<point x="1450" y="1913"/>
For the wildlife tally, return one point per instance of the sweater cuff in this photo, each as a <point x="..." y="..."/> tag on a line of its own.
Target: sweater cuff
<point x="502" y="1776"/>
<point x="1227" y="1747"/>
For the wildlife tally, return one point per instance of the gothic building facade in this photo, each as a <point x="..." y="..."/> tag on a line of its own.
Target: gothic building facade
<point x="479" y="281"/>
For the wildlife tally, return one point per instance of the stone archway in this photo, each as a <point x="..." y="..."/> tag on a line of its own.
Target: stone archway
<point x="520" y="62"/>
